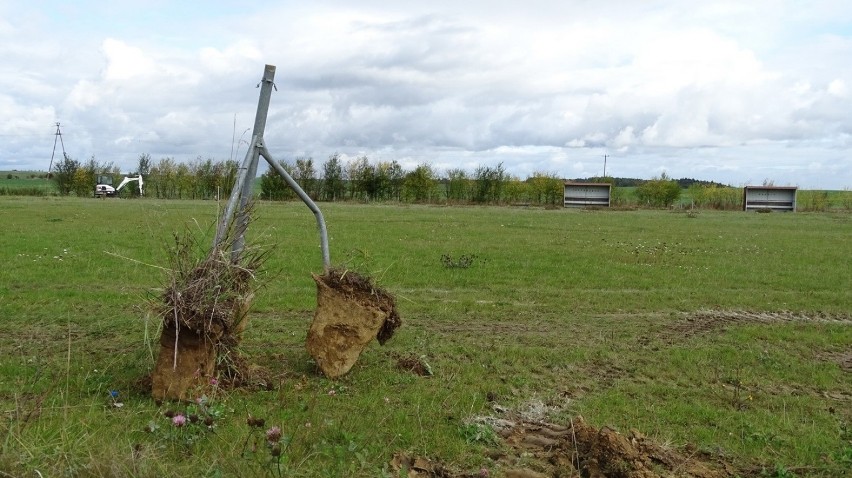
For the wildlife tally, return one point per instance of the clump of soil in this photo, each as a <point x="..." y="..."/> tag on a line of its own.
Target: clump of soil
<point x="351" y="311"/>
<point x="575" y="448"/>
<point x="204" y="306"/>
<point x="415" y="365"/>
<point x="419" y="467"/>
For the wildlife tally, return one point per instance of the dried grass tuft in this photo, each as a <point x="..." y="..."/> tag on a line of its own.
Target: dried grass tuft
<point x="208" y="292"/>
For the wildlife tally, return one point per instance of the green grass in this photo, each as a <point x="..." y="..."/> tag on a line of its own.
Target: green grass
<point x="25" y="183"/>
<point x="587" y="311"/>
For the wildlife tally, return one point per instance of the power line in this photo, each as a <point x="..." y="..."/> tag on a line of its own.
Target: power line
<point x="58" y="135"/>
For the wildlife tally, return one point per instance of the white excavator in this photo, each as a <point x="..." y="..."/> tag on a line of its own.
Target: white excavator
<point x="104" y="187"/>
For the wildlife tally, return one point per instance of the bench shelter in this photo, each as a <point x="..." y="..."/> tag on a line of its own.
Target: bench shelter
<point x="587" y="194"/>
<point x="774" y="198"/>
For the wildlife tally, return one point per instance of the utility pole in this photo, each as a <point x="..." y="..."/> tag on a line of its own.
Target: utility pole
<point x="58" y="135"/>
<point x="605" y="155"/>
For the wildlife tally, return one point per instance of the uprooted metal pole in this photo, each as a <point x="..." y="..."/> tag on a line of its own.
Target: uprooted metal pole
<point x="326" y="259"/>
<point x="242" y="191"/>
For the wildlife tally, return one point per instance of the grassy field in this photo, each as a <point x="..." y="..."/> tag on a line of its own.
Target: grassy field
<point x="725" y="331"/>
<point x="30" y="183"/>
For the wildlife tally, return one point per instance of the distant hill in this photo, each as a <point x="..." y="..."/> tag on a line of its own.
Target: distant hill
<point x="634" y="182"/>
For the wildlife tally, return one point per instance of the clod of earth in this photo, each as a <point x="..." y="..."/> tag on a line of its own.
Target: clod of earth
<point x="576" y="447"/>
<point x="415" y="365"/>
<point x="186" y="367"/>
<point x="188" y="356"/>
<point x="351" y="311"/>
<point x="204" y="307"/>
<point x="538" y="449"/>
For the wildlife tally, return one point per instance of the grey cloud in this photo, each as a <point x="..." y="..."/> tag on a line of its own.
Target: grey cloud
<point x="554" y="85"/>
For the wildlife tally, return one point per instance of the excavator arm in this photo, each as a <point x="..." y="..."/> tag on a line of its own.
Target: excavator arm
<point x="129" y="179"/>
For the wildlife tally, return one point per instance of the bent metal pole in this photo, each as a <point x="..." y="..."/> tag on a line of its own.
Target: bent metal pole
<point x="326" y="259"/>
<point x="242" y="191"/>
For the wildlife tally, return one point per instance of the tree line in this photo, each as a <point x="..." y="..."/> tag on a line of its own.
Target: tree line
<point x="359" y="179"/>
<point x="363" y="180"/>
<point x="165" y="179"/>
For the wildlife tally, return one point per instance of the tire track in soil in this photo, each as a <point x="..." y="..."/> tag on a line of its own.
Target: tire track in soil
<point x="708" y="321"/>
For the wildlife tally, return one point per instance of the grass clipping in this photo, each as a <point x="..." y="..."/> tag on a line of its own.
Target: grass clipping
<point x="351" y="311"/>
<point x="204" y="307"/>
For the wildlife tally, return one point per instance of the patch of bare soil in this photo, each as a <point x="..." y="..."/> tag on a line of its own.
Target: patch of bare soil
<point x="842" y="359"/>
<point x="420" y="467"/>
<point x="413" y="364"/>
<point x="708" y="321"/>
<point x="549" y="450"/>
<point x="578" y="448"/>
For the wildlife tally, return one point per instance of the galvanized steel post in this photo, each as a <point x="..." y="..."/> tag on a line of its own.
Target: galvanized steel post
<point x="246" y="193"/>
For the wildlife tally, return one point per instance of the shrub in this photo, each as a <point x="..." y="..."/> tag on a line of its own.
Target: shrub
<point x="273" y="187"/>
<point x="658" y="192"/>
<point x="816" y="201"/>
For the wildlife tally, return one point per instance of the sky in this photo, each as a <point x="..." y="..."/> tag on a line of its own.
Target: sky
<point x="731" y="91"/>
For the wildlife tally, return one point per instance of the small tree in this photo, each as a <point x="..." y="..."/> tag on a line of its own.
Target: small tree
<point x="144" y="165"/>
<point x="659" y="192"/>
<point x="545" y="188"/>
<point x="306" y="176"/>
<point x="272" y="185"/>
<point x="382" y="181"/>
<point x="396" y="177"/>
<point x="333" y="186"/>
<point x="489" y="183"/>
<point x="516" y="191"/>
<point x="183" y="180"/>
<point x="358" y="174"/>
<point x="419" y="185"/>
<point x="162" y="179"/>
<point x="86" y="176"/>
<point x="64" y="174"/>
<point x="458" y="185"/>
<point x="230" y="170"/>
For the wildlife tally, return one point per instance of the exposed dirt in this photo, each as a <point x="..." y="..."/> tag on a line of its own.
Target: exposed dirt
<point x="549" y="450"/>
<point x="204" y="307"/>
<point x="186" y="362"/>
<point x="351" y="311"/>
<point x="709" y="321"/>
<point x="842" y="359"/>
<point x="419" y="467"/>
<point x="578" y="448"/>
<point x="413" y="364"/>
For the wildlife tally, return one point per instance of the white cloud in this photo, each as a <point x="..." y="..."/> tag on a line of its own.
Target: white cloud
<point x="838" y="88"/>
<point x="21" y="119"/>
<point x="722" y="88"/>
<point x="241" y="55"/>
<point x="125" y="62"/>
<point x="85" y="94"/>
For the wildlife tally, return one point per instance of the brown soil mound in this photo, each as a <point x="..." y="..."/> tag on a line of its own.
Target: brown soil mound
<point x="548" y="450"/>
<point x="415" y="365"/>
<point x="204" y="307"/>
<point x="351" y="311"/>
<point x="576" y="447"/>
<point x="186" y="362"/>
